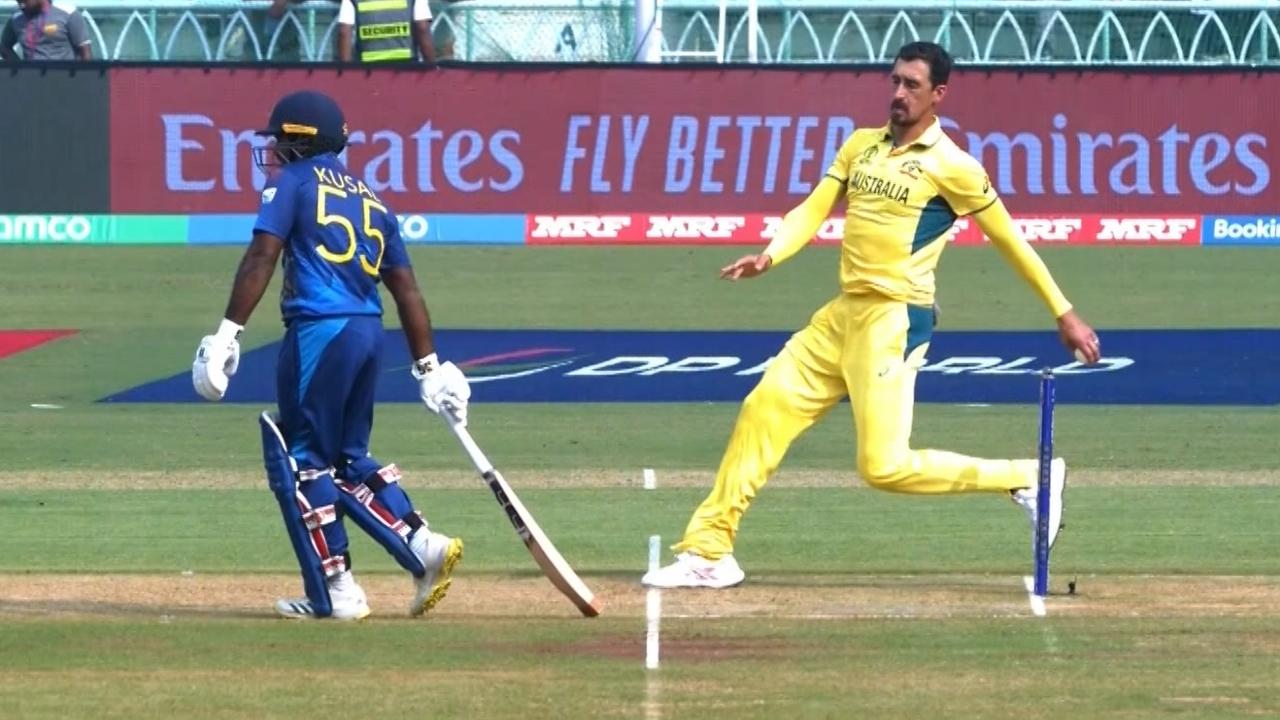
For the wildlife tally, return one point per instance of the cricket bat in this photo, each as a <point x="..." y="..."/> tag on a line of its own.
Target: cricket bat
<point x="544" y="553"/>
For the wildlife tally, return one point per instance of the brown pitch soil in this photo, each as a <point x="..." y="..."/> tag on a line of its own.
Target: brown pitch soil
<point x="578" y="478"/>
<point x="45" y="596"/>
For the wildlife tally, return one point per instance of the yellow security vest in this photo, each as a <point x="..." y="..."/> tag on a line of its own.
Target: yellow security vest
<point x="383" y="30"/>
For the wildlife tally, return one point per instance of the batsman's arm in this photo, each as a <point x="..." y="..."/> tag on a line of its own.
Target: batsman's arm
<point x="802" y="223"/>
<point x="995" y="222"/>
<point x="412" y="309"/>
<point x="253" y="276"/>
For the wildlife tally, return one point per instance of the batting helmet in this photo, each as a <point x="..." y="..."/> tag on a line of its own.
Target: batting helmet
<point x="306" y="123"/>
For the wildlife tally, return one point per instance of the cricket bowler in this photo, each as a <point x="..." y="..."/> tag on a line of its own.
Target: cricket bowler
<point x="905" y="184"/>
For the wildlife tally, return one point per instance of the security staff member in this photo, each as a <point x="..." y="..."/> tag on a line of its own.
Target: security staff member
<point x="385" y="31"/>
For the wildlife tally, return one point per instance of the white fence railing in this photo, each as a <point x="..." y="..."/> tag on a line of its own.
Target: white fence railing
<point x="1027" y="32"/>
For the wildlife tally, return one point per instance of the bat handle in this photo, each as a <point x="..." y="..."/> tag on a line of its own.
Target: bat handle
<point x="483" y="466"/>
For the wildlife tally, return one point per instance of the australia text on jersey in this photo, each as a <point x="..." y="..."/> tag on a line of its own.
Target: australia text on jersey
<point x="879" y="186"/>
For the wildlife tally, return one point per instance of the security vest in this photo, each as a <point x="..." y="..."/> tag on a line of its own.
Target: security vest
<point x="382" y="30"/>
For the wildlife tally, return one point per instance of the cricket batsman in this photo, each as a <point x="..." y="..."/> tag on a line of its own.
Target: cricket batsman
<point x="339" y="240"/>
<point x="904" y="183"/>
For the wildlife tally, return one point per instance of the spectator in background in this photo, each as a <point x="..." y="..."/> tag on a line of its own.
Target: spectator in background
<point x="385" y="31"/>
<point x="442" y="37"/>
<point x="46" y="30"/>
<point x="287" y="46"/>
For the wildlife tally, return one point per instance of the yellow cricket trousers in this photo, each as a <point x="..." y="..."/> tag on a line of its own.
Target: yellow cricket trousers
<point x="869" y="348"/>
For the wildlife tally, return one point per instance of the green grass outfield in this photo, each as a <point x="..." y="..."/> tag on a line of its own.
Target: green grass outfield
<point x="140" y="549"/>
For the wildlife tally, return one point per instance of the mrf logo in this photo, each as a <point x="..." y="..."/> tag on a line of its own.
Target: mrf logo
<point x="1169" y="229"/>
<point x="1059" y="229"/>
<point x="721" y="227"/>
<point x="1090" y="229"/>
<point x="603" y="227"/>
<point x="832" y="229"/>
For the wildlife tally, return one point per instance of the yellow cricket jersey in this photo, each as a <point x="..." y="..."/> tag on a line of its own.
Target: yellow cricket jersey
<point x="902" y="203"/>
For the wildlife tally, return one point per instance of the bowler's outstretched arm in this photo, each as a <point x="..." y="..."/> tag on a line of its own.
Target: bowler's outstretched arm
<point x="995" y="222"/>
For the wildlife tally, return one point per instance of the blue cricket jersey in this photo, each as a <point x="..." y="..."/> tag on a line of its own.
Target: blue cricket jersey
<point x="338" y="236"/>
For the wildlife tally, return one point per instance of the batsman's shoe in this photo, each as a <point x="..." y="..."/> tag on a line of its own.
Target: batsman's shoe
<point x="440" y="554"/>
<point x="346" y="596"/>
<point x="694" y="571"/>
<point x="1026" y="497"/>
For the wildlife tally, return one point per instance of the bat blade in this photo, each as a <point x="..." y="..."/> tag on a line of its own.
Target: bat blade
<point x="535" y="540"/>
<point x="544" y="552"/>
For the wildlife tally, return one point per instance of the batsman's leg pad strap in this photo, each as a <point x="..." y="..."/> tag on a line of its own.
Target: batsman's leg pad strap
<point x="386" y="476"/>
<point x="318" y="503"/>
<point x="310" y="545"/>
<point x="308" y="475"/>
<point x="319" y="517"/>
<point x="337" y="564"/>
<point x="414" y="520"/>
<point x="387" y="528"/>
<point x="384" y="482"/>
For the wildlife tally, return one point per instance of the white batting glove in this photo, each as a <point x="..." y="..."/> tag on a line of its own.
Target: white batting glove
<point x="443" y="388"/>
<point x="217" y="359"/>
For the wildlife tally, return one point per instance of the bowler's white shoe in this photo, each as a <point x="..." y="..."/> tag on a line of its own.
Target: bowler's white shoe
<point x="439" y="554"/>
<point x="694" y="571"/>
<point x="1026" y="497"/>
<point x="345" y="595"/>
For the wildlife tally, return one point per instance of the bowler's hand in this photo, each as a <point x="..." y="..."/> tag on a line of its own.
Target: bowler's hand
<point x="747" y="266"/>
<point x="1079" y="337"/>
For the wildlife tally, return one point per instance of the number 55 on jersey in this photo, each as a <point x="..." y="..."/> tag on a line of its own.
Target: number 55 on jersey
<point x="340" y="234"/>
